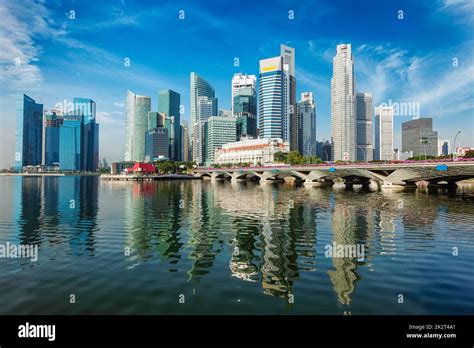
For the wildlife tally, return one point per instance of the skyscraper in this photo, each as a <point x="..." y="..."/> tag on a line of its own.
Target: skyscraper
<point x="343" y="105"/>
<point x="244" y="105"/>
<point x="418" y="136"/>
<point x="205" y="108"/>
<point x="274" y="118"/>
<point x="90" y="142"/>
<point x="29" y="132"/>
<point x="199" y="88"/>
<point x="383" y="130"/>
<point x="156" y="144"/>
<point x="364" y="127"/>
<point x="307" y="125"/>
<point x="136" y="123"/>
<point x="288" y="54"/>
<point x="219" y="130"/>
<point x="185" y="140"/>
<point x="169" y="103"/>
<point x="242" y="82"/>
<point x="51" y="129"/>
<point x="71" y="133"/>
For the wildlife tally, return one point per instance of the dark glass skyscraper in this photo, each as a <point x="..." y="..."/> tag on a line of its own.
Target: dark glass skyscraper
<point x="71" y="134"/>
<point x="29" y="132"/>
<point x="90" y="137"/>
<point x="51" y="127"/>
<point x="169" y="103"/>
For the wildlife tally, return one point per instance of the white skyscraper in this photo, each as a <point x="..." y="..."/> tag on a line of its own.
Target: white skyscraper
<point x="343" y="105"/>
<point x="288" y="54"/>
<point x="383" y="130"/>
<point x="136" y="124"/>
<point x="205" y="108"/>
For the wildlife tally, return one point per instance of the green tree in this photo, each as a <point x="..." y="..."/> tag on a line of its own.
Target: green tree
<point x="469" y="154"/>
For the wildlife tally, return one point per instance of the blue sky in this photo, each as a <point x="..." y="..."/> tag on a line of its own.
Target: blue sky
<point x="402" y="60"/>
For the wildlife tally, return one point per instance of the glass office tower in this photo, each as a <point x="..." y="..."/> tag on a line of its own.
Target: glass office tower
<point x="29" y="132"/>
<point x="169" y="103"/>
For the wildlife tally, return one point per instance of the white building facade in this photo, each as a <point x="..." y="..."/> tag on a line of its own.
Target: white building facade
<point x="254" y="151"/>
<point x="343" y="105"/>
<point x="383" y="133"/>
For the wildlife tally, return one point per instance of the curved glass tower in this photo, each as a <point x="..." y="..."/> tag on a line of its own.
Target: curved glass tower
<point x="136" y="124"/>
<point x="199" y="88"/>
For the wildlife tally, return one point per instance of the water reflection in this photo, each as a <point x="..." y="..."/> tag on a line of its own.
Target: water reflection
<point x="269" y="237"/>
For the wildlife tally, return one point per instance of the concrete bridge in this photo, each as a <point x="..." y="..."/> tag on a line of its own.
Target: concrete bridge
<point x="384" y="175"/>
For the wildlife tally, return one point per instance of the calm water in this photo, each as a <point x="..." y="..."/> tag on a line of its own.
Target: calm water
<point x="231" y="248"/>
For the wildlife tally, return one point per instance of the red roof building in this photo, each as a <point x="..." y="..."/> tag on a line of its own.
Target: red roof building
<point x="143" y="168"/>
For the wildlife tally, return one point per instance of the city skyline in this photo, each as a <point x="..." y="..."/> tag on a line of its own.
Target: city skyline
<point x="420" y="71"/>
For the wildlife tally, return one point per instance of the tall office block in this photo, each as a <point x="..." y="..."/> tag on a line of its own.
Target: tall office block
<point x="288" y="54"/>
<point x="156" y="144"/>
<point x="383" y="130"/>
<point x="136" y="123"/>
<point x="418" y="136"/>
<point x="307" y="125"/>
<point x="169" y="103"/>
<point x="170" y="126"/>
<point x="242" y="82"/>
<point x="199" y="88"/>
<point x="90" y="143"/>
<point x="29" y="132"/>
<point x="364" y="127"/>
<point x="219" y="130"/>
<point x="205" y="108"/>
<point x="71" y="134"/>
<point x="274" y="116"/>
<point x="343" y="105"/>
<point x="244" y="105"/>
<point x="51" y="129"/>
<point x="185" y="140"/>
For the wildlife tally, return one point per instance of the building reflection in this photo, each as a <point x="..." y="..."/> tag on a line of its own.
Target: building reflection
<point x="56" y="209"/>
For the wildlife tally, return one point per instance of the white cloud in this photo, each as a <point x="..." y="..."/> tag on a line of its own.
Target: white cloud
<point x="119" y="105"/>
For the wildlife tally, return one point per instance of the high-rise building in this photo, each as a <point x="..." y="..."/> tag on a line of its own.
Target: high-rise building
<point x="71" y="134"/>
<point x="443" y="147"/>
<point x="90" y="142"/>
<point x="364" y="127"/>
<point x="199" y="88"/>
<point x="274" y="116"/>
<point x="288" y="54"/>
<point x="205" y="108"/>
<point x="29" y="132"/>
<point x="418" y="136"/>
<point x="343" y="105"/>
<point x="156" y="144"/>
<point x="185" y="140"/>
<point x="244" y="105"/>
<point x="242" y="82"/>
<point x="219" y="130"/>
<point x="307" y="125"/>
<point x="199" y="112"/>
<point x="51" y="126"/>
<point x="169" y="103"/>
<point x="170" y="126"/>
<point x="136" y="123"/>
<point x="383" y="130"/>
